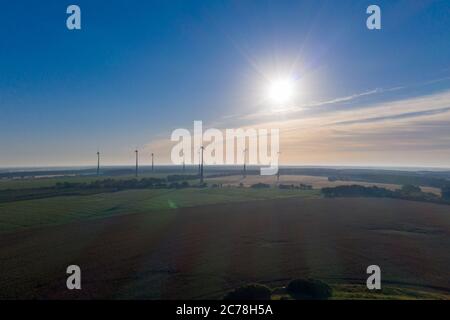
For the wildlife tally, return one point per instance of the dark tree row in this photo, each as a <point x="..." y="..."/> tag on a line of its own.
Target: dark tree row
<point x="407" y="192"/>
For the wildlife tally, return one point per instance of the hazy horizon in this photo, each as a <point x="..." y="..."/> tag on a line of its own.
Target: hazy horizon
<point x="148" y="166"/>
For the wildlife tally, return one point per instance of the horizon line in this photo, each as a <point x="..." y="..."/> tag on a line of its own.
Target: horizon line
<point x="350" y="166"/>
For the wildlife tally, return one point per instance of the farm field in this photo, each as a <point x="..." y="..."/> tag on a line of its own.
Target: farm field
<point x="233" y="180"/>
<point x="316" y="182"/>
<point x="195" y="251"/>
<point x="20" y="215"/>
<point x="43" y="182"/>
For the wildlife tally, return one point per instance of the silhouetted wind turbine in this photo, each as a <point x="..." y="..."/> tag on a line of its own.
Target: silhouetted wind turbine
<point x="98" y="162"/>
<point x="244" y="173"/>
<point x="137" y="163"/>
<point x="201" y="170"/>
<point x="184" y="163"/>
<point x="278" y="173"/>
<point x="152" y="162"/>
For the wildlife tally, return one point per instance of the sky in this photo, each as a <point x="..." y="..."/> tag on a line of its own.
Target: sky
<point x="137" y="70"/>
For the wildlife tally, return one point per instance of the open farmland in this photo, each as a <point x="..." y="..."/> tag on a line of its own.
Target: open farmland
<point x="49" y="181"/>
<point x="204" y="251"/>
<point x="316" y="182"/>
<point x="25" y="214"/>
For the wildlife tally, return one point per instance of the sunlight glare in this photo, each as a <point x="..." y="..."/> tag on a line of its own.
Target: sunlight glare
<point x="281" y="90"/>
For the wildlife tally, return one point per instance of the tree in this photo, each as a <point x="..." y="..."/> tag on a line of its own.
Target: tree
<point x="250" y="292"/>
<point x="260" y="185"/>
<point x="410" y="189"/>
<point x="445" y="191"/>
<point x="309" y="289"/>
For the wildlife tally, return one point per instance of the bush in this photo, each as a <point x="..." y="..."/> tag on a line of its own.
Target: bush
<point x="446" y="193"/>
<point x="286" y="186"/>
<point x="309" y="289"/>
<point x="250" y="292"/>
<point x="185" y="184"/>
<point x="260" y="186"/>
<point x="409" y="188"/>
<point x="357" y="191"/>
<point x="181" y="177"/>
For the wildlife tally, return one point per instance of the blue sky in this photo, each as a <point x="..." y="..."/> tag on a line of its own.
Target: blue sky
<point x="139" y="69"/>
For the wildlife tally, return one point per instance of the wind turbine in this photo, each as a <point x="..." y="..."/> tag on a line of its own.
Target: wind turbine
<point x="98" y="162"/>
<point x="152" y="162"/>
<point x="201" y="168"/>
<point x="199" y="165"/>
<point x="244" y="173"/>
<point x="278" y="173"/>
<point x="137" y="163"/>
<point x="184" y="163"/>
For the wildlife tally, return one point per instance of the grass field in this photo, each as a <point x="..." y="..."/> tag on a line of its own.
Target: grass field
<point x="194" y="252"/>
<point x="25" y="214"/>
<point x="316" y="182"/>
<point x="51" y="181"/>
<point x="360" y="292"/>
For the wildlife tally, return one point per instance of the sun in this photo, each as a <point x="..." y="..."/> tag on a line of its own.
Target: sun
<point x="281" y="90"/>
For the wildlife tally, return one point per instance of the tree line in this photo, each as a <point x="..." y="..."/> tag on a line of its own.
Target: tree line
<point x="407" y="192"/>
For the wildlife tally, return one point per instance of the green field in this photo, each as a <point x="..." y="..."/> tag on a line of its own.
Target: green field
<point x="205" y="251"/>
<point x="29" y="183"/>
<point x="55" y="210"/>
<point x="360" y="292"/>
<point x="194" y="243"/>
<point x="389" y="292"/>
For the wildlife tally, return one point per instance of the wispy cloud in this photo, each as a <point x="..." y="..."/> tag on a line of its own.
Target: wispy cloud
<point x="405" y="115"/>
<point x="302" y="107"/>
<point x="401" y="131"/>
<point x="343" y="99"/>
<point x="356" y="101"/>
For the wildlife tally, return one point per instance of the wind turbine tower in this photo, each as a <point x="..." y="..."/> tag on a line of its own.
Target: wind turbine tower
<point x="184" y="162"/>
<point x="201" y="168"/>
<point x="152" y="162"/>
<point x="278" y="173"/>
<point x="244" y="173"/>
<point x="98" y="163"/>
<point x="199" y="165"/>
<point x="137" y="163"/>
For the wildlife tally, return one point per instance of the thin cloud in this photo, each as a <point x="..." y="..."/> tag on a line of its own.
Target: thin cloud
<point x="310" y="107"/>
<point x="405" y="115"/>
<point x="343" y="99"/>
<point x="399" y="131"/>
